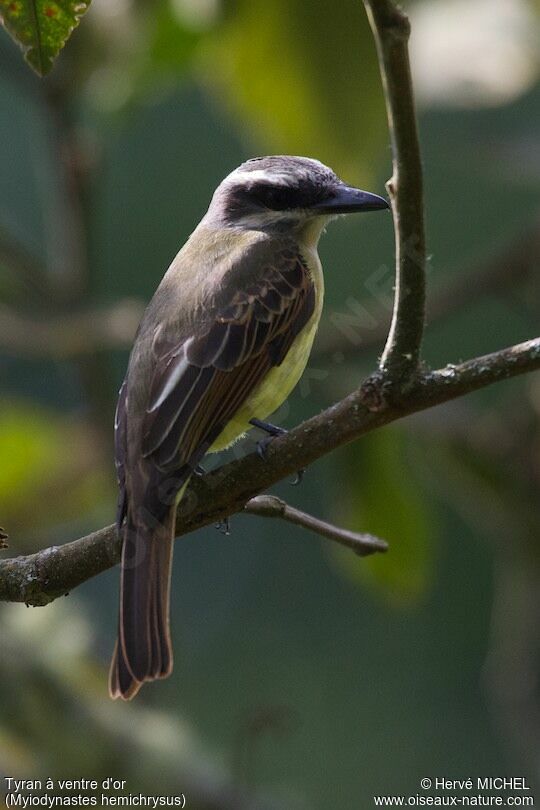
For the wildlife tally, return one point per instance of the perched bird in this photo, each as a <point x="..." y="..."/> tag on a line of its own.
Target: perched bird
<point x="223" y="342"/>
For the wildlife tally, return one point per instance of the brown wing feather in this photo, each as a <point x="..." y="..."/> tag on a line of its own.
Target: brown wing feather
<point x="200" y="384"/>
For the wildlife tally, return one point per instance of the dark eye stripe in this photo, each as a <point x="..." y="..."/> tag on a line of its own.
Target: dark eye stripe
<point x="274" y="197"/>
<point x="263" y="195"/>
<point x="281" y="198"/>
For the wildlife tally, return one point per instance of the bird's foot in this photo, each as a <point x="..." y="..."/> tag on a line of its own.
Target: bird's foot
<point x="262" y="444"/>
<point x="271" y="430"/>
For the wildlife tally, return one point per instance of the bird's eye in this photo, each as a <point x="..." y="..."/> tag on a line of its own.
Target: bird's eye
<point x="274" y="197"/>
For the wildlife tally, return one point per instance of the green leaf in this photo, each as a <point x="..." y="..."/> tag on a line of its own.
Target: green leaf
<point x="41" y="27"/>
<point x="306" y="77"/>
<point x="381" y="496"/>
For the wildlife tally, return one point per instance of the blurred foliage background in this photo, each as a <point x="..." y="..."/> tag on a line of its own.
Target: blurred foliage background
<point x="304" y="678"/>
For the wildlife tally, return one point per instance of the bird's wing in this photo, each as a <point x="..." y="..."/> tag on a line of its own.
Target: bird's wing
<point x="199" y="384"/>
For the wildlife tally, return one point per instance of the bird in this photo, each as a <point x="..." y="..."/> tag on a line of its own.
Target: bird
<point x="220" y="347"/>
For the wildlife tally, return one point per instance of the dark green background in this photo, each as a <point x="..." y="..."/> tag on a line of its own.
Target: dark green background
<point x="370" y="682"/>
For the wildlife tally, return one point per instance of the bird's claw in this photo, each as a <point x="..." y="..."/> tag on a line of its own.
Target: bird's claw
<point x="262" y="444"/>
<point x="299" y="477"/>
<point x="262" y="447"/>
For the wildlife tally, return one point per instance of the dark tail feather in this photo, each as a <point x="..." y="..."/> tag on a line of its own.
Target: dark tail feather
<point x="143" y="651"/>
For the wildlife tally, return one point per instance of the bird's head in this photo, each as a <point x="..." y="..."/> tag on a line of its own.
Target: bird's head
<point x="282" y="192"/>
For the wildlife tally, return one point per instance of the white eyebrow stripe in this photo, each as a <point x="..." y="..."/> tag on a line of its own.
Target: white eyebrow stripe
<point x="246" y="176"/>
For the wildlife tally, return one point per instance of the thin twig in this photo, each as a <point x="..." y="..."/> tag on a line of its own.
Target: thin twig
<point x="401" y="355"/>
<point x="42" y="577"/>
<point x="70" y="334"/>
<point x="273" y="507"/>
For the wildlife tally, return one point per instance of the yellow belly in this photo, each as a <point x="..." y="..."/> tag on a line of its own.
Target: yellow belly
<point x="274" y="389"/>
<point x="280" y="381"/>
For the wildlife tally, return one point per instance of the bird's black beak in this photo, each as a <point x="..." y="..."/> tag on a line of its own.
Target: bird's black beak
<point x="348" y="200"/>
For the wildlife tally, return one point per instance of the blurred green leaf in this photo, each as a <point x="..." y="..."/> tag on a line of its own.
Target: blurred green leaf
<point x="150" y="49"/>
<point x="41" y="27"/>
<point x="172" y="44"/>
<point x="50" y="468"/>
<point x="380" y="496"/>
<point x="306" y="76"/>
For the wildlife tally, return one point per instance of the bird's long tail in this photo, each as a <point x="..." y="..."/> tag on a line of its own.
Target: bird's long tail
<point x="143" y="650"/>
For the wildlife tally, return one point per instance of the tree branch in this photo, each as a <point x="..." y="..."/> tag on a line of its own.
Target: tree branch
<point x="273" y="507"/>
<point x="70" y="334"/>
<point x="42" y="577"/>
<point x="401" y="354"/>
